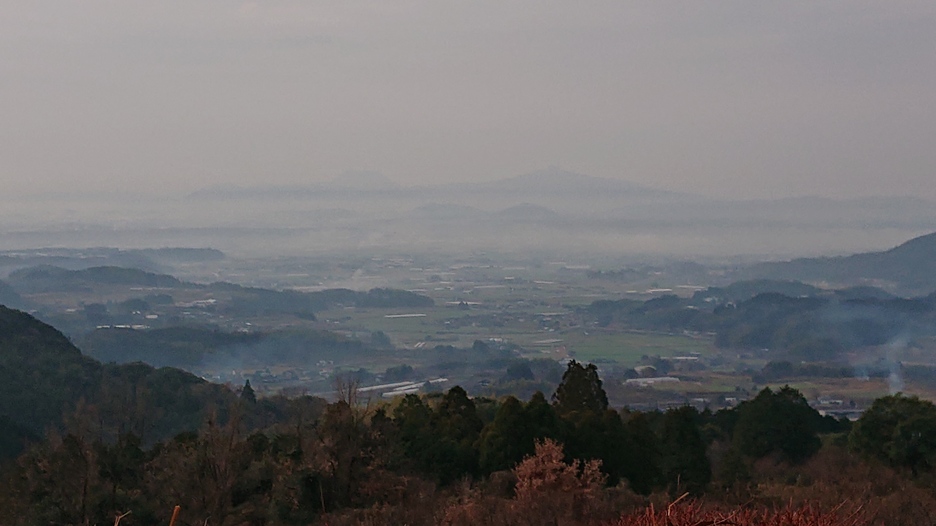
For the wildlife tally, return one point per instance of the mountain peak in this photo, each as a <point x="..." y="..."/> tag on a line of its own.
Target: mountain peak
<point x="922" y="247"/>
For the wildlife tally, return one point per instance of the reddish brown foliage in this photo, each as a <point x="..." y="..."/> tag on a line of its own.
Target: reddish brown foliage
<point x="548" y="491"/>
<point x="888" y="496"/>
<point x="694" y="514"/>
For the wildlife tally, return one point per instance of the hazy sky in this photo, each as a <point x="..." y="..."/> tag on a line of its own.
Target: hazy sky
<point x="736" y="98"/>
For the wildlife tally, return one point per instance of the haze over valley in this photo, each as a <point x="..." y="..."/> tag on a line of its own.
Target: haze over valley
<point x="549" y="211"/>
<point x="476" y="263"/>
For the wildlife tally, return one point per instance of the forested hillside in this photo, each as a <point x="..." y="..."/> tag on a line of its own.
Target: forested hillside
<point x="45" y="381"/>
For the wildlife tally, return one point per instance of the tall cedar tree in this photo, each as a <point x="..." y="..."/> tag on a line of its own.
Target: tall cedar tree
<point x="580" y="390"/>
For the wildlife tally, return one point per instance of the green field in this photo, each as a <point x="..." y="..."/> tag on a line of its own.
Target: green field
<point x="626" y="348"/>
<point x="447" y="325"/>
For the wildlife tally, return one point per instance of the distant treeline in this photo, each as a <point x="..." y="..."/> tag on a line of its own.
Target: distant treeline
<point x="776" y="371"/>
<point x="47" y="278"/>
<point x="55" y="279"/>
<point x="253" y="301"/>
<point x="801" y="321"/>
<point x="226" y="299"/>
<point x="189" y="346"/>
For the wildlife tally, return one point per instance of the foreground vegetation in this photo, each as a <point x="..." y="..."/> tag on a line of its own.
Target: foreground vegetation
<point x="447" y="460"/>
<point x="104" y="440"/>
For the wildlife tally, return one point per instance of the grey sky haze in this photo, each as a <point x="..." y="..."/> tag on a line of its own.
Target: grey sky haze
<point x="732" y="98"/>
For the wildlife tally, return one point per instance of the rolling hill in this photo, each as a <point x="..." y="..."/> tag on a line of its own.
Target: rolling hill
<point x="906" y="269"/>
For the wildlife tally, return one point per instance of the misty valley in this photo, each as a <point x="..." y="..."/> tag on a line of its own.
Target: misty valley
<point x="476" y="263"/>
<point x="153" y="342"/>
<point x="663" y="334"/>
<point x="460" y="365"/>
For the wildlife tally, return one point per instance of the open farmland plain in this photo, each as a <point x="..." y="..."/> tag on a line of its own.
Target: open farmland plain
<point x="493" y="325"/>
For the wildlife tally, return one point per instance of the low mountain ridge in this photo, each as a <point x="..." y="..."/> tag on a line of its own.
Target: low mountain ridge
<point x="44" y="378"/>
<point x="904" y="269"/>
<point x="47" y="278"/>
<point x="41" y="373"/>
<point x="552" y="181"/>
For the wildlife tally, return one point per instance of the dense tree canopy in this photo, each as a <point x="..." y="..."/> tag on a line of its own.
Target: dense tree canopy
<point x="899" y="430"/>
<point x="778" y="422"/>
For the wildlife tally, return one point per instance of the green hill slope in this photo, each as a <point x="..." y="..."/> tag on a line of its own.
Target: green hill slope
<point x="905" y="269"/>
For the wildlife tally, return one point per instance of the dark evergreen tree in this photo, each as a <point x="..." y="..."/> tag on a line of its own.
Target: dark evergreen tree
<point x="247" y="394"/>
<point x="456" y="427"/>
<point x="507" y="439"/>
<point x="580" y="390"/>
<point x="541" y="418"/>
<point x="642" y="468"/>
<point x="599" y="435"/>
<point x="413" y="420"/>
<point x="683" y="460"/>
<point x="457" y="417"/>
<point x="779" y="423"/>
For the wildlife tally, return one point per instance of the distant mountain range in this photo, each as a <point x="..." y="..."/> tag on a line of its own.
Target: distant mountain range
<point x="574" y="195"/>
<point x="551" y="210"/>
<point x="543" y="182"/>
<point x="553" y="181"/>
<point x="909" y="268"/>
